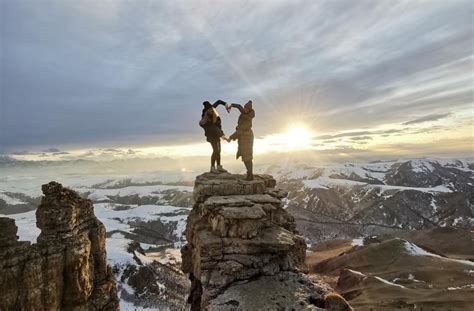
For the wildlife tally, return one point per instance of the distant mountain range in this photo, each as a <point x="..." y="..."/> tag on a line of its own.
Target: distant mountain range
<point x="350" y="200"/>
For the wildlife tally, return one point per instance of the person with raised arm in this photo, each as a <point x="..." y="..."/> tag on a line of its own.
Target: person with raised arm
<point x="211" y="123"/>
<point x="244" y="135"/>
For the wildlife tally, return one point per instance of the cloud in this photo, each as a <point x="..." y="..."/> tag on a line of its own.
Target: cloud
<point x="361" y="138"/>
<point x="50" y="153"/>
<point x="428" y="118"/>
<point x="121" y="73"/>
<point x="44" y="153"/>
<point x="22" y="152"/>
<point x="51" y="150"/>
<point x="360" y="135"/>
<point x="88" y="154"/>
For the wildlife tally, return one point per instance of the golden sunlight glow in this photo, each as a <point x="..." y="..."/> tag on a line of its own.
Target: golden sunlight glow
<point x="298" y="138"/>
<point x="295" y="139"/>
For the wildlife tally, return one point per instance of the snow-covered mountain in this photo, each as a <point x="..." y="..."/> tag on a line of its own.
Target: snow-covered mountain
<point x="148" y="210"/>
<point x="350" y="200"/>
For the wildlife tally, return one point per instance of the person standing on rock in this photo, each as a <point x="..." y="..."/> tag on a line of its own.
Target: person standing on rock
<point x="211" y="123"/>
<point x="244" y="135"/>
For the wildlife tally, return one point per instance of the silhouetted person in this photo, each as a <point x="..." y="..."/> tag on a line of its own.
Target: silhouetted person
<point x="211" y="123"/>
<point x="244" y="135"/>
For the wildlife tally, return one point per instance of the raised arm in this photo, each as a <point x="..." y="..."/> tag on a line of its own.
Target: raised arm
<point x="238" y="106"/>
<point x="218" y="102"/>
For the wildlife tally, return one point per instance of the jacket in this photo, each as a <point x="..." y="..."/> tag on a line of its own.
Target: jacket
<point x="212" y="131"/>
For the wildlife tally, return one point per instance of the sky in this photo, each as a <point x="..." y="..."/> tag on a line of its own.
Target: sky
<point x="108" y="79"/>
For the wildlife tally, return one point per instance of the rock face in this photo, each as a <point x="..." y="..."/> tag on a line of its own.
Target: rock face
<point x="67" y="268"/>
<point x="243" y="250"/>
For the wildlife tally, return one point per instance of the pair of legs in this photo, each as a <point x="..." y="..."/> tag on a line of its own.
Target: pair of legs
<point x="216" y="157"/>
<point x="246" y="152"/>
<point x="216" y="153"/>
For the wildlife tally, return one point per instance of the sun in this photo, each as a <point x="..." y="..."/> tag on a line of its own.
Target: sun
<point x="298" y="138"/>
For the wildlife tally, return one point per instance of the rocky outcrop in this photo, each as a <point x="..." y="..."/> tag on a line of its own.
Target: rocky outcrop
<point x="243" y="250"/>
<point x="67" y="268"/>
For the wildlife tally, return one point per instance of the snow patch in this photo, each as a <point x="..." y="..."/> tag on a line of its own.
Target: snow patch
<point x="421" y="166"/>
<point x="389" y="283"/>
<point x="357" y="272"/>
<point x="128" y="306"/>
<point x="457" y="220"/>
<point x="117" y="253"/>
<point x="415" y="250"/>
<point x="144" y="259"/>
<point x="358" y="242"/>
<point x="327" y="182"/>
<point x="461" y="287"/>
<point x="433" y="205"/>
<point x="314" y="184"/>
<point x="26" y="223"/>
<point x="153" y="191"/>
<point x="9" y="200"/>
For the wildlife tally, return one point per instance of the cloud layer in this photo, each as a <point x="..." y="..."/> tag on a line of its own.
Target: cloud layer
<point x="111" y="73"/>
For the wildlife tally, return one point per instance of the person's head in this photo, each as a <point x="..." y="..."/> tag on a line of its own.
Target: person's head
<point x="248" y="106"/>
<point x="206" y="105"/>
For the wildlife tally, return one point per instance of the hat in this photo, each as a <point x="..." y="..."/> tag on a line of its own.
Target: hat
<point x="249" y="105"/>
<point x="206" y="105"/>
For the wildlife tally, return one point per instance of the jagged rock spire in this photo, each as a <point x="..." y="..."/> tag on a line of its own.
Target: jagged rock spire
<point x="67" y="269"/>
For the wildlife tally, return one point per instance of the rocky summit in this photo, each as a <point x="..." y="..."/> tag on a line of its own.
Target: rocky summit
<point x="67" y="268"/>
<point x="243" y="249"/>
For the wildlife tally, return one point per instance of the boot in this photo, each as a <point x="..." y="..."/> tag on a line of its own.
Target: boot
<point x="213" y="170"/>
<point x="249" y="176"/>
<point x="220" y="169"/>
<point x="249" y="167"/>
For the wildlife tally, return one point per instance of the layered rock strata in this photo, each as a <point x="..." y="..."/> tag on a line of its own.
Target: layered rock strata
<point x="243" y="249"/>
<point x="67" y="268"/>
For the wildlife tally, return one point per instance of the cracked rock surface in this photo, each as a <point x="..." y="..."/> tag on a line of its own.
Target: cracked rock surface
<point x="243" y="249"/>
